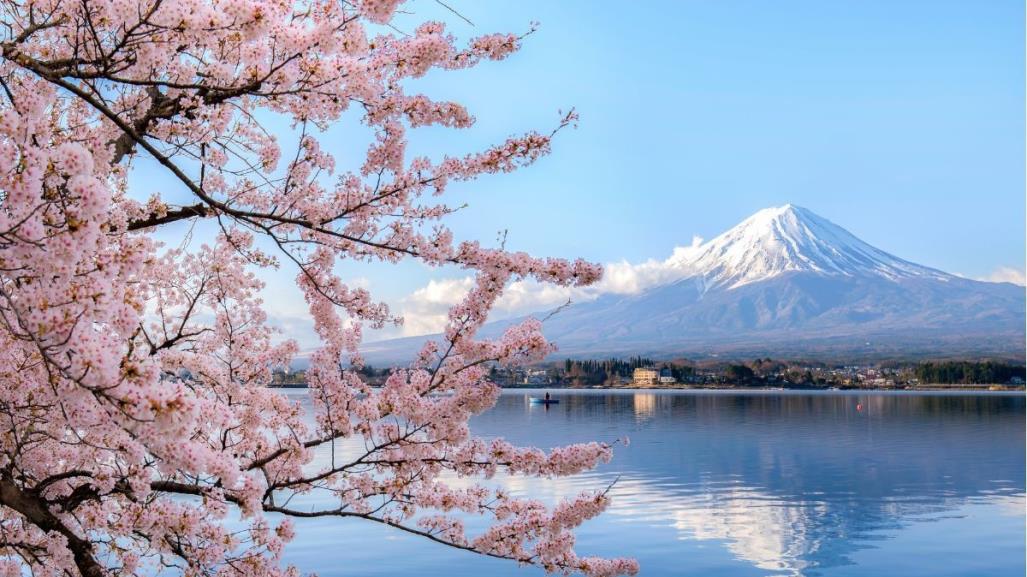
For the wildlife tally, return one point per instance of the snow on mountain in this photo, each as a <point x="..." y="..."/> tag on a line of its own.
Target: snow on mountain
<point x="787" y="282"/>
<point x="775" y="241"/>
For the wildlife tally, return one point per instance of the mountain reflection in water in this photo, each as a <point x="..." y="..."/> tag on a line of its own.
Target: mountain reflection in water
<point x="768" y="483"/>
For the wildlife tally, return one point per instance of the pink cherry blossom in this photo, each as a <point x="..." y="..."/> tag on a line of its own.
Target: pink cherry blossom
<point x="138" y="419"/>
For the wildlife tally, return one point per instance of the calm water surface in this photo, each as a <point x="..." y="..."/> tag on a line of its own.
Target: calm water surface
<point x="753" y="484"/>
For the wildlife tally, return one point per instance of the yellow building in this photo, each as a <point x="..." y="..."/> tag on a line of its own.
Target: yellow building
<point x="646" y="376"/>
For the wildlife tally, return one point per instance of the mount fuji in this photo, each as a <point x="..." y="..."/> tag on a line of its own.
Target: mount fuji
<point x="792" y="239"/>
<point x="786" y="281"/>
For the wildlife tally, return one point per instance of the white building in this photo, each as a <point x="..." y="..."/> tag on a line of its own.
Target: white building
<point x="646" y="376"/>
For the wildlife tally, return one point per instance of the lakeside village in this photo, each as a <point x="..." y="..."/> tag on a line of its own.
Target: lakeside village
<point x="638" y="372"/>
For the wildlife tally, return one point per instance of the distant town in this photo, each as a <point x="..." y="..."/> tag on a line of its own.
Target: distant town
<point x="639" y="372"/>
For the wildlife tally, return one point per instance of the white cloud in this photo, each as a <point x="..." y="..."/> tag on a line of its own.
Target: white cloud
<point x="1006" y="274"/>
<point x="424" y="311"/>
<point x="626" y="278"/>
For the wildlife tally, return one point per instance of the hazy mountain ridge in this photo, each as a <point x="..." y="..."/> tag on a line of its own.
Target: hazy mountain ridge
<point x="788" y="281"/>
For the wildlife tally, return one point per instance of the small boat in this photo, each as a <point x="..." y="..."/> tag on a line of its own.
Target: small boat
<point x="540" y="401"/>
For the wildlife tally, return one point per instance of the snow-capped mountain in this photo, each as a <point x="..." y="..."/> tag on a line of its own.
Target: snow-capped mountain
<point x="788" y="282"/>
<point x="790" y="239"/>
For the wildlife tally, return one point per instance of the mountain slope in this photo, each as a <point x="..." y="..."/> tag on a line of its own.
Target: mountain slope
<point x="786" y="281"/>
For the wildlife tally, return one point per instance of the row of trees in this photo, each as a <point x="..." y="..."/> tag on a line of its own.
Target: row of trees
<point x="770" y="372"/>
<point x="967" y="373"/>
<point x="611" y="366"/>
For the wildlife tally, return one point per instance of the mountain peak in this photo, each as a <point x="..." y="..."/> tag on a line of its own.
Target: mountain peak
<point x="786" y="208"/>
<point x="790" y="238"/>
<point x="785" y="213"/>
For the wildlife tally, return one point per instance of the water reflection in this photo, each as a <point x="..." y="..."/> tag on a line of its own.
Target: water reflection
<point x="645" y="405"/>
<point x="792" y="483"/>
<point x="784" y="484"/>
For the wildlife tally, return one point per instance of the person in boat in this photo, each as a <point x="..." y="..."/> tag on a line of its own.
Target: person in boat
<point x="547" y="396"/>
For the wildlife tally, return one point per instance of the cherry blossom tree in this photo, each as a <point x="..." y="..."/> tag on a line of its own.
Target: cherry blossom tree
<point x="138" y="430"/>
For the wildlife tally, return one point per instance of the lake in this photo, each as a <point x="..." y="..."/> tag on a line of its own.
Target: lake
<point x="726" y="483"/>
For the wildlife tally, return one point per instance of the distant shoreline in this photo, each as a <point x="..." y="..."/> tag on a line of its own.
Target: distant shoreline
<point x="967" y="388"/>
<point x="921" y="388"/>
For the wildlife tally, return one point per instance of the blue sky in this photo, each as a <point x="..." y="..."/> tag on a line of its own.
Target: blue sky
<point x="902" y="121"/>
